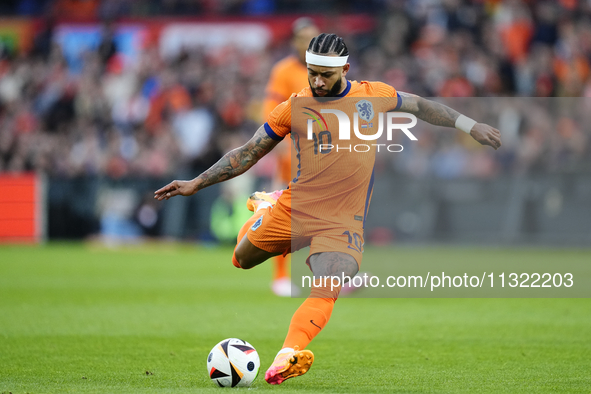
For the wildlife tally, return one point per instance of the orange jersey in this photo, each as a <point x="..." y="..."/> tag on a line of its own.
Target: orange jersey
<point x="288" y="76"/>
<point x="328" y="184"/>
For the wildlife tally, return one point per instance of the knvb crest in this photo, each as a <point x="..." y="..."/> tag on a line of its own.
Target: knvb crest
<point x="365" y="110"/>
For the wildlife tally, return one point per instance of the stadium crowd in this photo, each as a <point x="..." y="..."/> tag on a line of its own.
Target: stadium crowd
<point x="159" y="115"/>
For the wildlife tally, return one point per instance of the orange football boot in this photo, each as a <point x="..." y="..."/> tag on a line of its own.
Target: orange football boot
<point x="289" y="364"/>
<point x="258" y="197"/>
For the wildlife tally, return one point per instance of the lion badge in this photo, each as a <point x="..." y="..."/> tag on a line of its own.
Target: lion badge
<point x="365" y="110"/>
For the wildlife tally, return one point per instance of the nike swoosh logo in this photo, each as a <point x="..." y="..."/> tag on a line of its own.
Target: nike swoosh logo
<point x="312" y="321"/>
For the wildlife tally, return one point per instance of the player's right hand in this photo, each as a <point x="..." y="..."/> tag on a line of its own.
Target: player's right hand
<point x="175" y="188"/>
<point x="486" y="135"/>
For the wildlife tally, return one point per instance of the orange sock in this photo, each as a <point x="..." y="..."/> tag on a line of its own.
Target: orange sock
<point x="311" y="317"/>
<point x="280" y="267"/>
<point x="243" y="232"/>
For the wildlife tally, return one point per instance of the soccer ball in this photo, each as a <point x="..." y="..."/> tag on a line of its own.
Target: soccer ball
<point x="233" y="362"/>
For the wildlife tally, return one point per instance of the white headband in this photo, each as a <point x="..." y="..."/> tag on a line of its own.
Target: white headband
<point x="326" y="61"/>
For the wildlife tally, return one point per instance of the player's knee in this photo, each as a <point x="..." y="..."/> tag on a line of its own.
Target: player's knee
<point x="235" y="261"/>
<point x="240" y="260"/>
<point x="247" y="255"/>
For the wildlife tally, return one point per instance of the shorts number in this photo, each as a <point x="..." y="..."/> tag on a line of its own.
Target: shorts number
<point x="356" y="239"/>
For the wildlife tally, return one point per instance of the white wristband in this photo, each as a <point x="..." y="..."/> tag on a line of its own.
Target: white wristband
<point x="465" y="124"/>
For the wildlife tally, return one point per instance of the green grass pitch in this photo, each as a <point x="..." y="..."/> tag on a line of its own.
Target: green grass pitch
<point x="76" y="318"/>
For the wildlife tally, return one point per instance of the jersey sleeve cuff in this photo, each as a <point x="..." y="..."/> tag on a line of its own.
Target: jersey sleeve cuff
<point x="271" y="133"/>
<point x="398" y="102"/>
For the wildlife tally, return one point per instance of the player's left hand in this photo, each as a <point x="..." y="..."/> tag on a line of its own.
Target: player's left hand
<point x="175" y="188"/>
<point x="486" y="135"/>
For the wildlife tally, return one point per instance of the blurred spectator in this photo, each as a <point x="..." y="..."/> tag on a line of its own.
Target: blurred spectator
<point x="157" y="116"/>
<point x="193" y="127"/>
<point x="44" y="39"/>
<point x="107" y="47"/>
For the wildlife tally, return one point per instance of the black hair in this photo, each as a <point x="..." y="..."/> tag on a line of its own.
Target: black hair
<point x="328" y="44"/>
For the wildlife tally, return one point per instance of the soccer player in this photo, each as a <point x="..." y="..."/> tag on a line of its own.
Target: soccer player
<point x="288" y="76"/>
<point x="332" y="189"/>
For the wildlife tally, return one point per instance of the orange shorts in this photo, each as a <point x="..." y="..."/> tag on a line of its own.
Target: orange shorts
<point x="277" y="231"/>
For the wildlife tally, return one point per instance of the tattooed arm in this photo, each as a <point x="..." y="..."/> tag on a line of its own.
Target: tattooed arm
<point x="233" y="163"/>
<point x="442" y="115"/>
